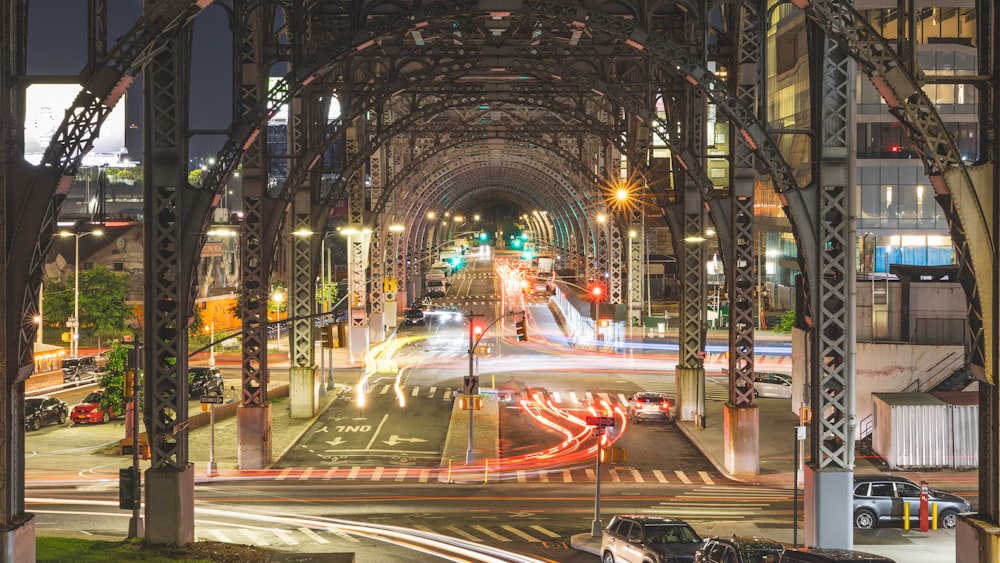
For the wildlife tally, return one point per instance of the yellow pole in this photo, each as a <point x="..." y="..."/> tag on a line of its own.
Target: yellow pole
<point x="906" y="515"/>
<point x="486" y="472"/>
<point x="934" y="516"/>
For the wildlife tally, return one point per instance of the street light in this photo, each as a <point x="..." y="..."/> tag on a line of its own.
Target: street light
<point x="74" y="323"/>
<point x="278" y="297"/>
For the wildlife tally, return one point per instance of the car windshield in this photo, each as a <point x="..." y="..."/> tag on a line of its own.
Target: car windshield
<point x="760" y="554"/>
<point x="93" y="397"/>
<point x="671" y="533"/>
<point x="70" y="363"/>
<point x="32" y="405"/>
<point x="414" y="313"/>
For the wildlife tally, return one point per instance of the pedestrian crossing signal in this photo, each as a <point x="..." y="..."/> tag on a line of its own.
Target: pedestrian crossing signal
<point x="522" y="330"/>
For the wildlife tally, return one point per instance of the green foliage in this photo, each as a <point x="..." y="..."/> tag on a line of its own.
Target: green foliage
<point x="103" y="310"/>
<point x="786" y="324"/>
<point x="113" y="379"/>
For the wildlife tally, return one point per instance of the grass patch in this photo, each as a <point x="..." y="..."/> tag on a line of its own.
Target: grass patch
<point x="57" y="550"/>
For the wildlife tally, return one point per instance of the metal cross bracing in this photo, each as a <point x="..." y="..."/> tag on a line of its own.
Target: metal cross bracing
<point x="167" y="5"/>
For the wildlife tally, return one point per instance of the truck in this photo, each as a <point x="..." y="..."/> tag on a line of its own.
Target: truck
<point x="544" y="266"/>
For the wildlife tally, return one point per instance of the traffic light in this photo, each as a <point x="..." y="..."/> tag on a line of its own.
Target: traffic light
<point x="596" y="291"/>
<point x="522" y="330"/>
<point x="477" y="331"/>
<point x="128" y="488"/>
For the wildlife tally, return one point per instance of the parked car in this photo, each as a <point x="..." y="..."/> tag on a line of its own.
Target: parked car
<point x="413" y="316"/>
<point x="39" y="411"/>
<point x="879" y="499"/>
<point x="777" y="385"/>
<point x="644" y="539"/>
<point x="77" y="369"/>
<point x="825" y="555"/>
<point x="89" y="409"/>
<point x="647" y="405"/>
<point x="205" y="381"/>
<point x="739" y="549"/>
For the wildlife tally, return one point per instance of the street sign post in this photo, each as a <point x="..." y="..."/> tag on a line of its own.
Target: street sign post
<point x="212" y="399"/>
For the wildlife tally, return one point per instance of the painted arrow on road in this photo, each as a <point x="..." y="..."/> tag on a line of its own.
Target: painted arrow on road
<point x="394" y="439"/>
<point x="336" y="442"/>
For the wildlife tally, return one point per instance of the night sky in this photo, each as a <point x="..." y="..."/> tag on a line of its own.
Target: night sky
<point x="57" y="46"/>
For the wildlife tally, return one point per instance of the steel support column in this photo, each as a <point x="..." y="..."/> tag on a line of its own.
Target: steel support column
<point x="172" y="242"/>
<point x="690" y="371"/>
<point x="829" y="264"/>
<point x="742" y="440"/>
<point x="303" y="390"/>
<point x="357" y="252"/>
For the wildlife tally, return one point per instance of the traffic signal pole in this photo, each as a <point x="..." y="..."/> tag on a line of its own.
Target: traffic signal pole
<point x="471" y="387"/>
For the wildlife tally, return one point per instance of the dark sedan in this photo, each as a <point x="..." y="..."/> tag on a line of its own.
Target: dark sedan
<point x="39" y="411"/>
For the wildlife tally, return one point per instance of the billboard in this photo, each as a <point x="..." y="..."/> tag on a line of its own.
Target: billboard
<point x="45" y="108"/>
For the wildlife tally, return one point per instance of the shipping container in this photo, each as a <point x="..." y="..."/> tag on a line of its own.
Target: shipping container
<point x="921" y="430"/>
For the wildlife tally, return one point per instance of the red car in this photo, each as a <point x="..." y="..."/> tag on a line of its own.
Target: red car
<point x="89" y="410"/>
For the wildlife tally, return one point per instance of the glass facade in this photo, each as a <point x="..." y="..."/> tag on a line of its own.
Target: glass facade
<point x="898" y="219"/>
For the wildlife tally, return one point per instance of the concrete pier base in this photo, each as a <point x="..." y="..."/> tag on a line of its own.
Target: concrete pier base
<point x="741" y="439"/>
<point x="391" y="313"/>
<point x="976" y="541"/>
<point x="253" y="436"/>
<point x="827" y="506"/>
<point x="357" y="343"/>
<point x="18" y="543"/>
<point x="376" y="327"/>
<point x="691" y="395"/>
<point x="303" y="392"/>
<point x="169" y="505"/>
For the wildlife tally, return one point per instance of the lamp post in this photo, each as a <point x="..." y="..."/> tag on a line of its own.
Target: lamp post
<point x="278" y="297"/>
<point x="74" y="323"/>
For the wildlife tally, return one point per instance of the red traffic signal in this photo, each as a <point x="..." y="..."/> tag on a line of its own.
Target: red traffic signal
<point x="596" y="290"/>
<point x="477" y="330"/>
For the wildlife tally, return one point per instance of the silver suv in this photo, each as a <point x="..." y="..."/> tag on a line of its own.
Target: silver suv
<point x="879" y="499"/>
<point x="648" y="539"/>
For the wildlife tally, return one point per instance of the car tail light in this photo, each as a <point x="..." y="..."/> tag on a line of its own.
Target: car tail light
<point x="665" y="405"/>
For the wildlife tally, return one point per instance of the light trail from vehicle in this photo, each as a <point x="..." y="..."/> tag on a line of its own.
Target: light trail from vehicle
<point x="437" y="545"/>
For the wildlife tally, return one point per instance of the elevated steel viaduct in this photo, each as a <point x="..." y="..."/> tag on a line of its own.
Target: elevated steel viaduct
<point x="459" y="104"/>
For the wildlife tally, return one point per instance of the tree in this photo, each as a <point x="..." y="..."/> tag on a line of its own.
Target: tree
<point x="113" y="379"/>
<point x="103" y="310"/>
<point x="787" y="322"/>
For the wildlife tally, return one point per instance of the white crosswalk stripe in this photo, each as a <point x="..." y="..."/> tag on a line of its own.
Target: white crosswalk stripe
<point x="616" y="474"/>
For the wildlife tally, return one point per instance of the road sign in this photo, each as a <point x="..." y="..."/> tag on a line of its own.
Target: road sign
<point x="72" y="322"/>
<point x="600" y="421"/>
<point x="211" y="399"/>
<point x="390" y="284"/>
<point x="471" y="385"/>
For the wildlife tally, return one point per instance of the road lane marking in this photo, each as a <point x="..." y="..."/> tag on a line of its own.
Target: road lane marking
<point x="556" y="397"/>
<point x="220" y="536"/>
<point x="659" y="476"/>
<point x="545" y="531"/>
<point x="573" y="399"/>
<point x="281" y="476"/>
<point x="377" y="474"/>
<point x="305" y="474"/>
<point x="431" y="391"/>
<point x="521" y="476"/>
<point x="401" y="474"/>
<point x="254" y="540"/>
<point x="637" y="476"/>
<point x="415" y="392"/>
<point x="285" y="536"/>
<point x="567" y="476"/>
<point x="490" y="533"/>
<point x="523" y="535"/>
<point x="313" y="535"/>
<point x="706" y="477"/>
<point x="613" y="474"/>
<point x="463" y="533"/>
<point x="354" y="473"/>
<point x="425" y="475"/>
<point x="684" y="478"/>
<point x="623" y="399"/>
<point x="378" y="429"/>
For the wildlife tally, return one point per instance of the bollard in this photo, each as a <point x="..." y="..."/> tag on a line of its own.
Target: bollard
<point x="924" y="497"/>
<point x="934" y="519"/>
<point x="906" y="516"/>
<point x="486" y="472"/>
